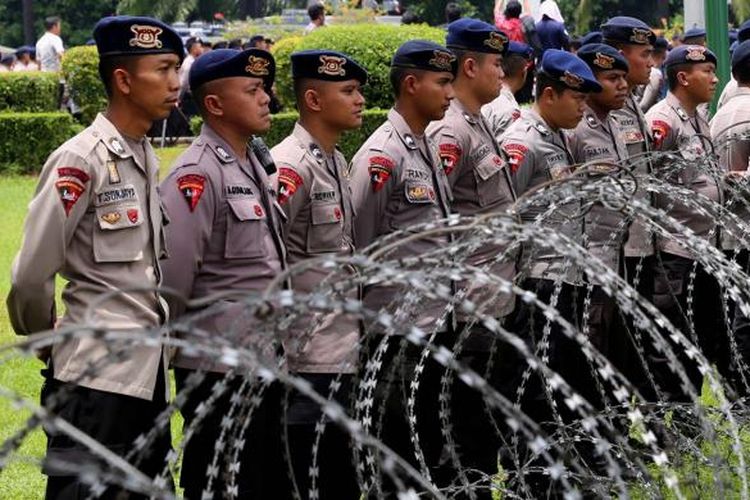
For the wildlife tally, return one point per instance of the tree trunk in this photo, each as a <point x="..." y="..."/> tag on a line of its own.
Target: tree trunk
<point x="29" y="37"/>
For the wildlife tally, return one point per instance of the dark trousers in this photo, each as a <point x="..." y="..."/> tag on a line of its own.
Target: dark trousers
<point x="115" y="421"/>
<point x="262" y="469"/>
<point x="740" y="324"/>
<point x="336" y="478"/>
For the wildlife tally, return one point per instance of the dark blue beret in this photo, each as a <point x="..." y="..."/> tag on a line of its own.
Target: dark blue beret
<point x="327" y="65"/>
<point x="135" y="36"/>
<point x="569" y="69"/>
<point x="694" y="33"/>
<point x="661" y="43"/>
<point x="602" y="57"/>
<point x="628" y="30"/>
<point x="476" y="36"/>
<point x="520" y="49"/>
<point x="227" y="63"/>
<point x="689" y="54"/>
<point x="426" y="55"/>
<point x="593" y="37"/>
<point x="744" y="32"/>
<point x="733" y="47"/>
<point x="741" y="54"/>
<point x="732" y="35"/>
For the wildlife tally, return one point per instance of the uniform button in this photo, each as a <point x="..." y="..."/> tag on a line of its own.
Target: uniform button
<point x="337" y="213"/>
<point x="258" y="210"/>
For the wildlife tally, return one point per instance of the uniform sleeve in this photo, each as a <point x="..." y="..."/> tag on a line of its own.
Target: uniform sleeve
<point x="62" y="197"/>
<point x="452" y="150"/>
<point x="521" y="163"/>
<point x="738" y="155"/>
<point x="373" y="176"/>
<point x="293" y="188"/>
<point x="662" y="131"/>
<point x="189" y="197"/>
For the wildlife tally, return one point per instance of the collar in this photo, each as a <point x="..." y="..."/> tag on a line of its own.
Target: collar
<point x="105" y="130"/>
<point x="220" y="147"/>
<point x="675" y="104"/>
<point x="308" y="143"/>
<point x="538" y="123"/>
<point x="459" y="108"/>
<point x="402" y="129"/>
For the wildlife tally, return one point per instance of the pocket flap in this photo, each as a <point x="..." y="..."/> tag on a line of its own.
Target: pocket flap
<point x="247" y="208"/>
<point x="119" y="217"/>
<point x="489" y="167"/>
<point x="326" y="213"/>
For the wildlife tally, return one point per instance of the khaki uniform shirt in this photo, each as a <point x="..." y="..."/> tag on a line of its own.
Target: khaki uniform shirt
<point x="674" y="130"/>
<point x="650" y="91"/>
<point x="225" y="230"/>
<point x="537" y="155"/>
<point x="96" y="221"/>
<point x="634" y="132"/>
<point x="481" y="183"/>
<point x="397" y="182"/>
<point x="314" y="192"/>
<point x="595" y="139"/>
<point x="730" y="90"/>
<point x="729" y="131"/>
<point x="501" y="112"/>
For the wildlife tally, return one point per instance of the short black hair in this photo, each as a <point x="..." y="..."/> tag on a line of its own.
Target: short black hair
<point x="742" y="73"/>
<point x="410" y="17"/>
<point x="513" y="64"/>
<point x="315" y="11"/>
<point x="397" y="76"/>
<point x="235" y="43"/>
<point x="513" y="9"/>
<point x="107" y="67"/>
<point x="221" y="45"/>
<point x="543" y="80"/>
<point x="50" y="22"/>
<point x="462" y="55"/>
<point x="672" y="71"/>
<point x="452" y="12"/>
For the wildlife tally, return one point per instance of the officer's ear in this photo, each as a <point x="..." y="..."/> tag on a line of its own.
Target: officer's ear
<point x="311" y="98"/>
<point x="212" y="105"/>
<point x="470" y="65"/>
<point x="121" y="80"/>
<point x="682" y="78"/>
<point x="409" y="84"/>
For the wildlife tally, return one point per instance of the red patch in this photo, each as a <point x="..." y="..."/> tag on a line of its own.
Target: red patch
<point x="70" y="191"/>
<point x="133" y="215"/>
<point x="380" y="171"/>
<point x="516" y="153"/>
<point x="289" y="183"/>
<point x="660" y="129"/>
<point x="516" y="115"/>
<point x="258" y="210"/>
<point x="450" y="154"/>
<point x="191" y="186"/>
<point x="337" y="213"/>
<point x="74" y="172"/>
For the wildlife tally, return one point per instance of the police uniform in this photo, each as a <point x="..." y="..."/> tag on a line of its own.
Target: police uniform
<point x="397" y="182"/>
<point x="225" y="230"/>
<point x="730" y="89"/>
<point x="314" y="192"/>
<point x="504" y="110"/>
<point x="96" y="221"/>
<point x="675" y="130"/>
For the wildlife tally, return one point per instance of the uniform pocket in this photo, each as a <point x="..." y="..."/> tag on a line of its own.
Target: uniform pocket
<point x="120" y="234"/>
<point x="487" y="175"/>
<point x="245" y="235"/>
<point x="419" y="192"/>
<point x="324" y="234"/>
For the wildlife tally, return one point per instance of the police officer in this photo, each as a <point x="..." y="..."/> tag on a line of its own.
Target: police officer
<point x="677" y="126"/>
<point x="504" y="109"/>
<point x="538" y="152"/>
<point x="656" y="88"/>
<point x="314" y="193"/>
<point x="480" y="183"/>
<point x="225" y="236"/>
<point x="730" y="89"/>
<point x="397" y="181"/>
<point x="96" y="221"/>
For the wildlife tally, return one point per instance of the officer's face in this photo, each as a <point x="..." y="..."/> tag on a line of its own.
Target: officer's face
<point x="567" y="107"/>
<point x="342" y="104"/>
<point x="614" y="90"/>
<point x="701" y="81"/>
<point x="640" y="58"/>
<point x="433" y="92"/>
<point x="153" y="85"/>
<point x="244" y="105"/>
<point x="489" y="77"/>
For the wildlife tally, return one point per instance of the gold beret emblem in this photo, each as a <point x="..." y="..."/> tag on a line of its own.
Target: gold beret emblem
<point x="604" y="61"/>
<point x="257" y="66"/>
<point x="332" y="65"/>
<point x="442" y="60"/>
<point x="146" y="37"/>
<point x="571" y="80"/>
<point x="696" y="53"/>
<point x="496" y="41"/>
<point x="640" y="35"/>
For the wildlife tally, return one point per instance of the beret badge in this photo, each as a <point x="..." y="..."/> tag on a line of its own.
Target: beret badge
<point x="604" y="61"/>
<point x="146" y="37"/>
<point x="332" y="65"/>
<point x="640" y="35"/>
<point x="572" y="80"/>
<point x="257" y="66"/>
<point x="442" y="60"/>
<point x="696" y="54"/>
<point x="496" y="41"/>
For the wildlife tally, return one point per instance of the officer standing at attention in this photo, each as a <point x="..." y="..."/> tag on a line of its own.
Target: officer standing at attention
<point x="96" y="221"/>
<point x="225" y="236"/>
<point x="314" y="193"/>
<point x="504" y="109"/>
<point x="480" y="182"/>
<point x="677" y="127"/>
<point x="397" y="181"/>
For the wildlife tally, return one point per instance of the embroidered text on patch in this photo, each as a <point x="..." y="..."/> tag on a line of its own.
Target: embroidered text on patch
<point x="191" y="186"/>
<point x="516" y="153"/>
<point x="332" y="65"/>
<point x="289" y="182"/>
<point x="380" y="171"/>
<point x="146" y="37"/>
<point x="450" y="154"/>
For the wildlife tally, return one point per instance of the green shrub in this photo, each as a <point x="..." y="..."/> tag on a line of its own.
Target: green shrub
<point x="80" y="66"/>
<point x="33" y="91"/>
<point x="283" y="124"/>
<point x="281" y="52"/>
<point x="28" y="138"/>
<point x="372" y="45"/>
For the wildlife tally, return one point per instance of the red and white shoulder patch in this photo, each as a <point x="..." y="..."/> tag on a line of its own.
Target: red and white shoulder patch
<point x="191" y="186"/>
<point x="450" y="155"/>
<point x="71" y="184"/>
<point x="660" y="129"/>
<point x="289" y="182"/>
<point x="516" y="153"/>
<point x="380" y="169"/>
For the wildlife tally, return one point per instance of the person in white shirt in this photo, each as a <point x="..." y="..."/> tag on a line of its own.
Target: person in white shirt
<point x="194" y="48"/>
<point x="317" y="13"/>
<point x="49" y="48"/>
<point x="24" y="61"/>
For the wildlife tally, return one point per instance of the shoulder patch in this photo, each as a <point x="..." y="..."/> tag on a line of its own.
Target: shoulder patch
<point x="450" y="155"/>
<point x="516" y="153"/>
<point x="70" y="191"/>
<point x="380" y="169"/>
<point x="74" y="172"/>
<point x="289" y="182"/>
<point x="660" y="130"/>
<point x="515" y="115"/>
<point x="191" y="186"/>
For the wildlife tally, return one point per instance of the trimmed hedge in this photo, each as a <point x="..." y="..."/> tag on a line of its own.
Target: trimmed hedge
<point x="80" y="66"/>
<point x="29" y="91"/>
<point x="372" y="45"/>
<point x="29" y="138"/>
<point x="283" y="124"/>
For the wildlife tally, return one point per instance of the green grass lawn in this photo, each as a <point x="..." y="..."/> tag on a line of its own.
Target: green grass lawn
<point x="21" y="478"/>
